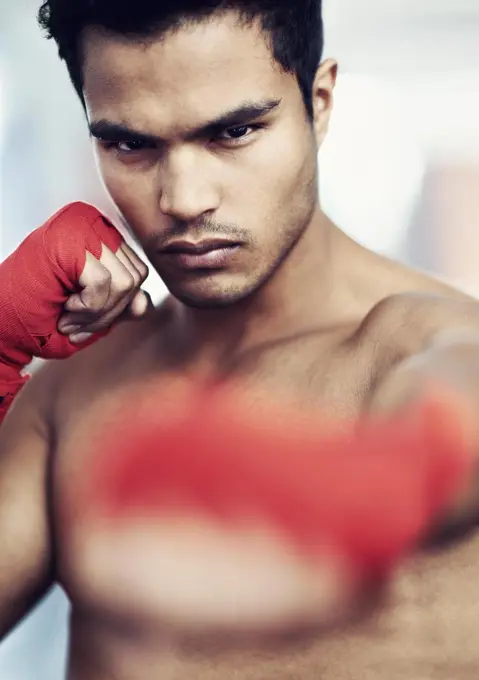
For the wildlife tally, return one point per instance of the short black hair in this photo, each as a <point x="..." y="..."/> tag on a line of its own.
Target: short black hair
<point x="295" y="28"/>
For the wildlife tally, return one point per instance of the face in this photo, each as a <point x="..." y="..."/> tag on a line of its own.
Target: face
<point x="205" y="146"/>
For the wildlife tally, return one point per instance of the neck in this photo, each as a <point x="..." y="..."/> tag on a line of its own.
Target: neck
<point x="307" y="291"/>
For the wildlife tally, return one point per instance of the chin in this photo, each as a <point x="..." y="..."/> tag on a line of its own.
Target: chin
<point x="215" y="298"/>
<point x="216" y="301"/>
<point x="218" y="291"/>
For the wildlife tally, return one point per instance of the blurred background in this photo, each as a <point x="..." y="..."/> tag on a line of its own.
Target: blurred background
<point x="399" y="172"/>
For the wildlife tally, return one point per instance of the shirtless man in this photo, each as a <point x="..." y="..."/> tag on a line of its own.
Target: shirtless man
<point x="206" y="126"/>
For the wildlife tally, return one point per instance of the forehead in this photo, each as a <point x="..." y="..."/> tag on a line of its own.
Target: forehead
<point x="180" y="78"/>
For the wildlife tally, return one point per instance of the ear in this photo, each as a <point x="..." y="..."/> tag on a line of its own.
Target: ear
<point x="323" y="88"/>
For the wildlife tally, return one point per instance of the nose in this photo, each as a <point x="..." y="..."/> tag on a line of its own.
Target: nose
<point x="187" y="189"/>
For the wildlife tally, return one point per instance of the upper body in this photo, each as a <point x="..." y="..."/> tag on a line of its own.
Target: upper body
<point x="112" y="578"/>
<point x="201" y="136"/>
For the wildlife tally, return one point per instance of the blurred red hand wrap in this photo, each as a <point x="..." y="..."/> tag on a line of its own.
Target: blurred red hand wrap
<point x="371" y="494"/>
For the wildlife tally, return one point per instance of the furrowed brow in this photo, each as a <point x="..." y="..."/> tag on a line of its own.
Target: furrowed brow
<point x="109" y="131"/>
<point x="245" y="113"/>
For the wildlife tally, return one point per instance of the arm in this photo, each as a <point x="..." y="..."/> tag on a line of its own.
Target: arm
<point x="26" y="565"/>
<point x="63" y="288"/>
<point x="450" y="361"/>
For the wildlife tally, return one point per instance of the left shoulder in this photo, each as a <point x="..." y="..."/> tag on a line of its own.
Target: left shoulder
<point x="425" y="310"/>
<point x="404" y="324"/>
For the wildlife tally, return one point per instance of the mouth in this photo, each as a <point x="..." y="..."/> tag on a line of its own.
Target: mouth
<point x="206" y="254"/>
<point x="199" y="248"/>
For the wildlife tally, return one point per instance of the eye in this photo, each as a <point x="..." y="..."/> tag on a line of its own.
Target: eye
<point x="125" y="148"/>
<point x="130" y="147"/>
<point x="237" y="134"/>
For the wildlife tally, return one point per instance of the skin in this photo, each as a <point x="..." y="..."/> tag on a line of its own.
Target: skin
<point x="365" y="340"/>
<point x="186" y="186"/>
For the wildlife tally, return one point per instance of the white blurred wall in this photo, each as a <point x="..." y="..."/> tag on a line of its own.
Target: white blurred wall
<point x="400" y="170"/>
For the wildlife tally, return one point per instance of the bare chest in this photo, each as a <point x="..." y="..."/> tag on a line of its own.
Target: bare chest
<point x="339" y="380"/>
<point x="426" y="631"/>
<point x="335" y="383"/>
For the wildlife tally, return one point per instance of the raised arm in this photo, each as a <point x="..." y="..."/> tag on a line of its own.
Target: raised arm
<point x="63" y="288"/>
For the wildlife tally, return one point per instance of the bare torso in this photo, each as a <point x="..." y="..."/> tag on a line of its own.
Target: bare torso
<point x="426" y="629"/>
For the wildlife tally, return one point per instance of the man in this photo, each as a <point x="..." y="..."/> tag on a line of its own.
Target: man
<point x="207" y="119"/>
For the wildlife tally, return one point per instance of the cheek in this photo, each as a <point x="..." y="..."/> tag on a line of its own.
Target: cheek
<point x="286" y="188"/>
<point x="124" y="183"/>
<point x="285" y="172"/>
<point x="296" y="167"/>
<point x="134" y="192"/>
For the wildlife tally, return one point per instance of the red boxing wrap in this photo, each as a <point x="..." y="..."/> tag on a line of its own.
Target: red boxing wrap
<point x="35" y="283"/>
<point x="370" y="494"/>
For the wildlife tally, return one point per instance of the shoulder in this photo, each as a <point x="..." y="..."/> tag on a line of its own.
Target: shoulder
<point x="413" y="317"/>
<point x="26" y="430"/>
<point x="405" y="324"/>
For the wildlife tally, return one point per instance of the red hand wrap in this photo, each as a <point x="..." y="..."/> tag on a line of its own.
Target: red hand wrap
<point x="35" y="282"/>
<point x="370" y="495"/>
<point x="10" y="386"/>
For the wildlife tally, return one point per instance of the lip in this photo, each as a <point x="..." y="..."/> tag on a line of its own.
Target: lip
<point x="205" y="246"/>
<point x="206" y="254"/>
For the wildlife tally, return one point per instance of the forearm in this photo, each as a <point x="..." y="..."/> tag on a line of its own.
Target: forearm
<point x="450" y="363"/>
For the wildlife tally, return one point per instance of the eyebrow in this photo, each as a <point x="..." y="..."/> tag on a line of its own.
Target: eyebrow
<point x="108" y="131"/>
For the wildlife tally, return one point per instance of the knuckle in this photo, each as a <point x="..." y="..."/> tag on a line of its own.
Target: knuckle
<point x="143" y="271"/>
<point x="101" y="281"/>
<point x="104" y="276"/>
<point x="94" y="301"/>
<point x="124" y="284"/>
<point x="136" y="278"/>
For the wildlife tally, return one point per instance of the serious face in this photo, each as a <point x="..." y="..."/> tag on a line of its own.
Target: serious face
<point x="204" y="144"/>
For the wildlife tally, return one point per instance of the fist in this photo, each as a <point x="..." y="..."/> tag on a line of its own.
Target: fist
<point x="69" y="278"/>
<point x="110" y="291"/>
<point x="221" y="518"/>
